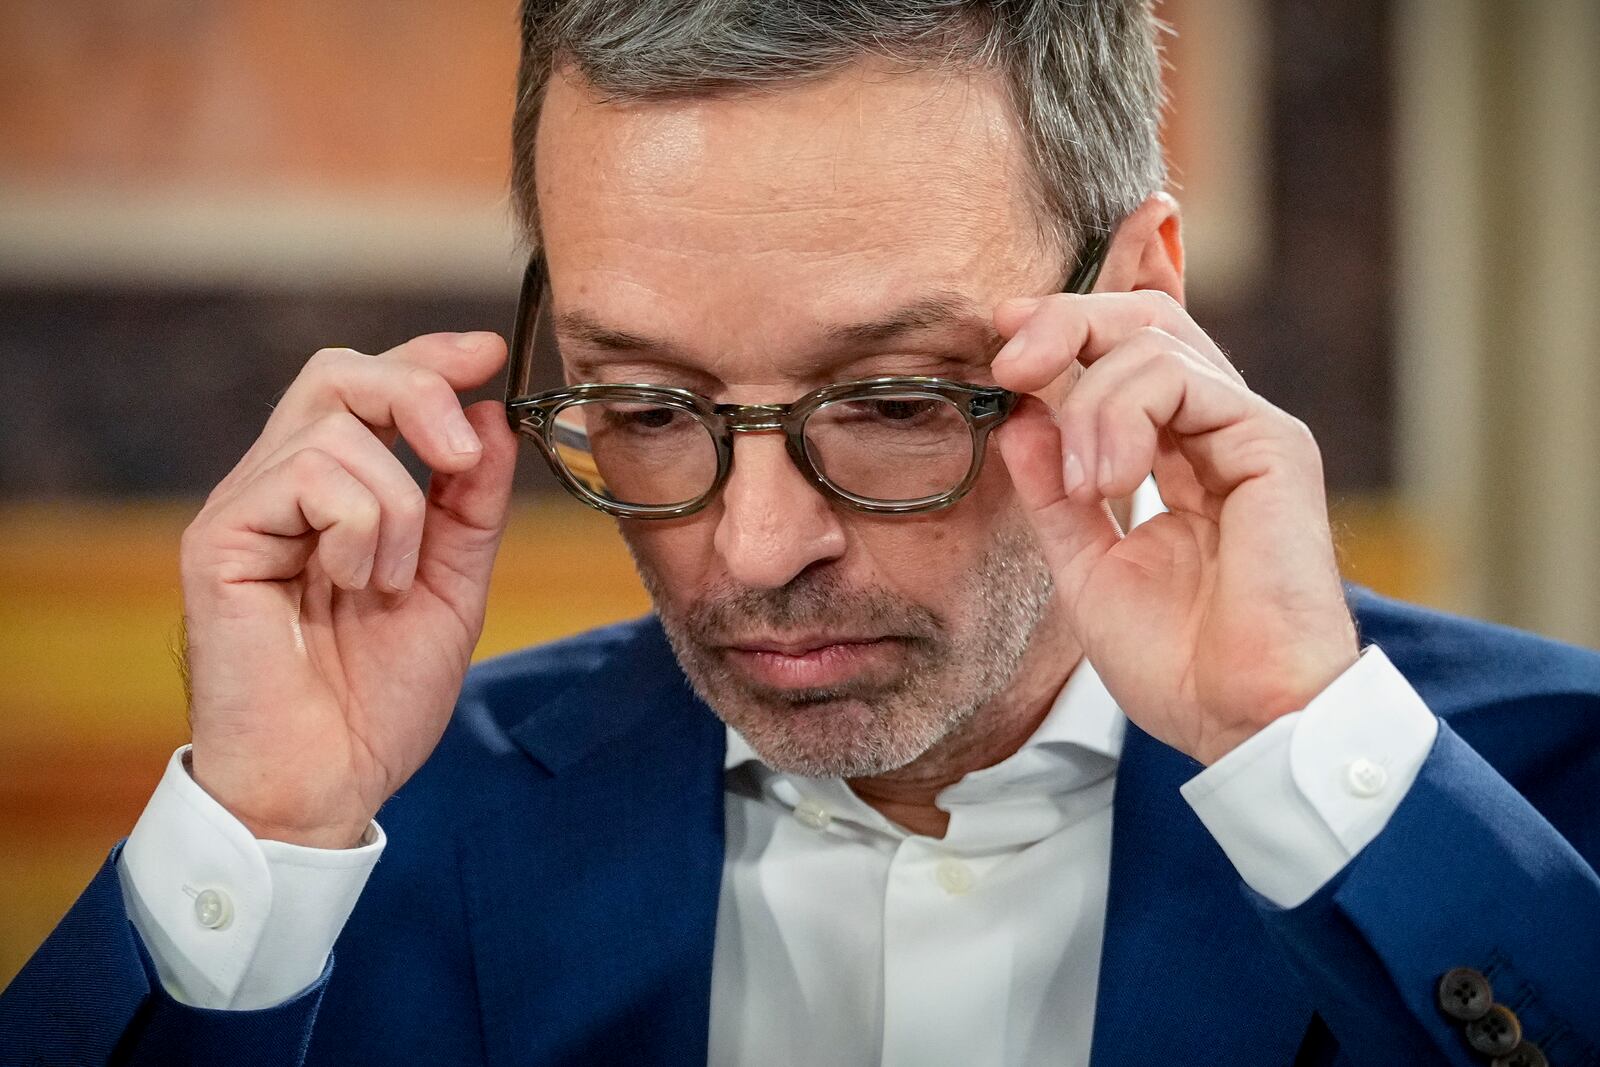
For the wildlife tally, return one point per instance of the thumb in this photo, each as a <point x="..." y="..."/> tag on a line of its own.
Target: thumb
<point x="1074" y="536"/>
<point x="467" y="510"/>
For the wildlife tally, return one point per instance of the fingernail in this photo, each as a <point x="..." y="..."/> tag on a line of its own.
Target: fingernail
<point x="467" y="342"/>
<point x="1012" y="348"/>
<point x="1072" y="473"/>
<point x="402" y="570"/>
<point x="458" y="431"/>
<point x="1105" y="470"/>
<point x="363" y="573"/>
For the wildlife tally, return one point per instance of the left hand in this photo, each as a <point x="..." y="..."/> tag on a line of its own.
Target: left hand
<point x="1210" y="621"/>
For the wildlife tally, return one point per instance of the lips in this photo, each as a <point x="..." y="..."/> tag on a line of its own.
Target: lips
<point x="799" y="646"/>
<point x="810" y="661"/>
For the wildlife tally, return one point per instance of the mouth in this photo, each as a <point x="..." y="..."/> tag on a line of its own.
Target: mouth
<point x="810" y="662"/>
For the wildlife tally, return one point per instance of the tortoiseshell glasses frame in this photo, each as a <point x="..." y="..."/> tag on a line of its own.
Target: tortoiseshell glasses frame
<point x="535" y="415"/>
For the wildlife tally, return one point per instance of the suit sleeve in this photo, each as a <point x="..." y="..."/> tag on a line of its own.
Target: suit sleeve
<point x="1466" y="873"/>
<point x="91" y="995"/>
<point x="231" y="921"/>
<point x="1296" y="802"/>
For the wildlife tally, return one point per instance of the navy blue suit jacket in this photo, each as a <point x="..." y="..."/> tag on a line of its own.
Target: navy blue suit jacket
<point x="550" y="888"/>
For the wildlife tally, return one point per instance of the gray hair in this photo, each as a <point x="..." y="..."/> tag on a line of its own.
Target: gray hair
<point x="1084" y="75"/>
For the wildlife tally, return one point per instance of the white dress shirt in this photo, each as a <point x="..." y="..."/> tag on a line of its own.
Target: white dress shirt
<point x="842" y="938"/>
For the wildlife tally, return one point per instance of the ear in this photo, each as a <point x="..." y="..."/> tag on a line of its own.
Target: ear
<point x="1147" y="250"/>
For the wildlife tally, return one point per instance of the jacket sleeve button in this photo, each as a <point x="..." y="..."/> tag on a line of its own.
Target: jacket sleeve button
<point x="1465" y="994"/>
<point x="1497" y="1033"/>
<point x="1526" y="1054"/>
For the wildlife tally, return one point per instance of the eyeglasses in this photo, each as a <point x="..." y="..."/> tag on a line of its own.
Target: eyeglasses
<point x="894" y="445"/>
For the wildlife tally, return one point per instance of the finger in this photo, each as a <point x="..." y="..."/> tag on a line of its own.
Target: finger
<point x="465" y="360"/>
<point x="467" y="510"/>
<point x="400" y="500"/>
<point x="1112" y="420"/>
<point x="411" y="388"/>
<point x="1066" y="327"/>
<point x="1254" y="448"/>
<point x="1074" y="535"/>
<point x="261" y="533"/>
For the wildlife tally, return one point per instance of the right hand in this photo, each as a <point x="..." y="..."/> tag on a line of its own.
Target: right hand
<point x="331" y="607"/>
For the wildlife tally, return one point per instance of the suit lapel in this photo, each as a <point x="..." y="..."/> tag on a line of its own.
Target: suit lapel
<point x="1187" y="974"/>
<point x="591" y="898"/>
<point x="591" y="894"/>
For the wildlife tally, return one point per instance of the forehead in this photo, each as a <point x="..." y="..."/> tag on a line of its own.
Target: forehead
<point x="865" y="184"/>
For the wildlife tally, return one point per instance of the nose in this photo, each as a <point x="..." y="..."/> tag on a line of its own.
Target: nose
<point x="774" y="524"/>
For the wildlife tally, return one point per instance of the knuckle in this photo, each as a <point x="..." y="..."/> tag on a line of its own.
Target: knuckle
<point x="1118" y="412"/>
<point x="312" y="464"/>
<point x="1282" y="442"/>
<point x="221" y="492"/>
<point x="1163" y="355"/>
<point x="410" y="505"/>
<point x="423" y="383"/>
<point x="1078" y="407"/>
<point x="232" y="569"/>
<point x="1160" y="305"/>
<point x="1251" y="447"/>
<point x="193" y="541"/>
<point x="322" y="371"/>
<point x="1300" y="435"/>
<point x="364" y="511"/>
<point x="325" y="357"/>
<point x="1152" y="337"/>
<point x="337" y="427"/>
<point x="1305" y="446"/>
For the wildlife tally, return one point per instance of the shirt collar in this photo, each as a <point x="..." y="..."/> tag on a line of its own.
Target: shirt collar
<point x="1061" y="774"/>
<point x="1077" y="744"/>
<point x="1083" y="715"/>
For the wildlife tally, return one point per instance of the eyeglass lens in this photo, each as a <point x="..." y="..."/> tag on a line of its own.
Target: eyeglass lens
<point x="885" y="448"/>
<point x="636" y="453"/>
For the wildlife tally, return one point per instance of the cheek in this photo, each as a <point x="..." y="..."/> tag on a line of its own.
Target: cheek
<point x="931" y="558"/>
<point x="676" y="557"/>
<point x="928" y="559"/>
<point x="992" y="503"/>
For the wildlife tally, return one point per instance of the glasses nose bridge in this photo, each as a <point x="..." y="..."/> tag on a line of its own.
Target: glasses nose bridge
<point x="754" y="418"/>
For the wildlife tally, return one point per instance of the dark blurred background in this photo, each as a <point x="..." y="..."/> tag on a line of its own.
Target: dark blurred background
<point x="1389" y="210"/>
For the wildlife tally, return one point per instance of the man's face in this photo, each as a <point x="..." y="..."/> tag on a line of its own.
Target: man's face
<point x="755" y="247"/>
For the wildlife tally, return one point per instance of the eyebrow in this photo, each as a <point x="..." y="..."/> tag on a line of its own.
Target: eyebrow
<point x="580" y="326"/>
<point x="933" y="311"/>
<point x="937" y="310"/>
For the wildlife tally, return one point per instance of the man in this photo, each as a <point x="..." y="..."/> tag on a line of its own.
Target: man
<point x="848" y="796"/>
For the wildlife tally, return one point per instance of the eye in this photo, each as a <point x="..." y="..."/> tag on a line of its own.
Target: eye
<point x="901" y="410"/>
<point x="651" y="418"/>
<point x="643" y="417"/>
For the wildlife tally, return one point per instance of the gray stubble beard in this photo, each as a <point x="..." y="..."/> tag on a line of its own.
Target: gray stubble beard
<point x="878" y="726"/>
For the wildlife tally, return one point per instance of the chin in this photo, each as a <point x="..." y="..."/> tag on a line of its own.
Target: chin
<point x="816" y="734"/>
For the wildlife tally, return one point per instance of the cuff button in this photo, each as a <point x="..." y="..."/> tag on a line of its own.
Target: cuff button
<point x="213" y="909"/>
<point x="1497" y="1033"/>
<point x="1365" y="778"/>
<point x="1465" y="994"/>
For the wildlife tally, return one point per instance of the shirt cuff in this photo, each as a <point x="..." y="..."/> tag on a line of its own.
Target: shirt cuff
<point x="1297" y="801"/>
<point x="231" y="921"/>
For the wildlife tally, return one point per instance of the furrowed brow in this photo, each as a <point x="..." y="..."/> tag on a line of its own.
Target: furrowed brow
<point x="965" y="328"/>
<point x="580" y="326"/>
<point x="934" y="311"/>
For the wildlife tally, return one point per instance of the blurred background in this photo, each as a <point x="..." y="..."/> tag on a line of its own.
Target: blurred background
<point x="1392" y="226"/>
